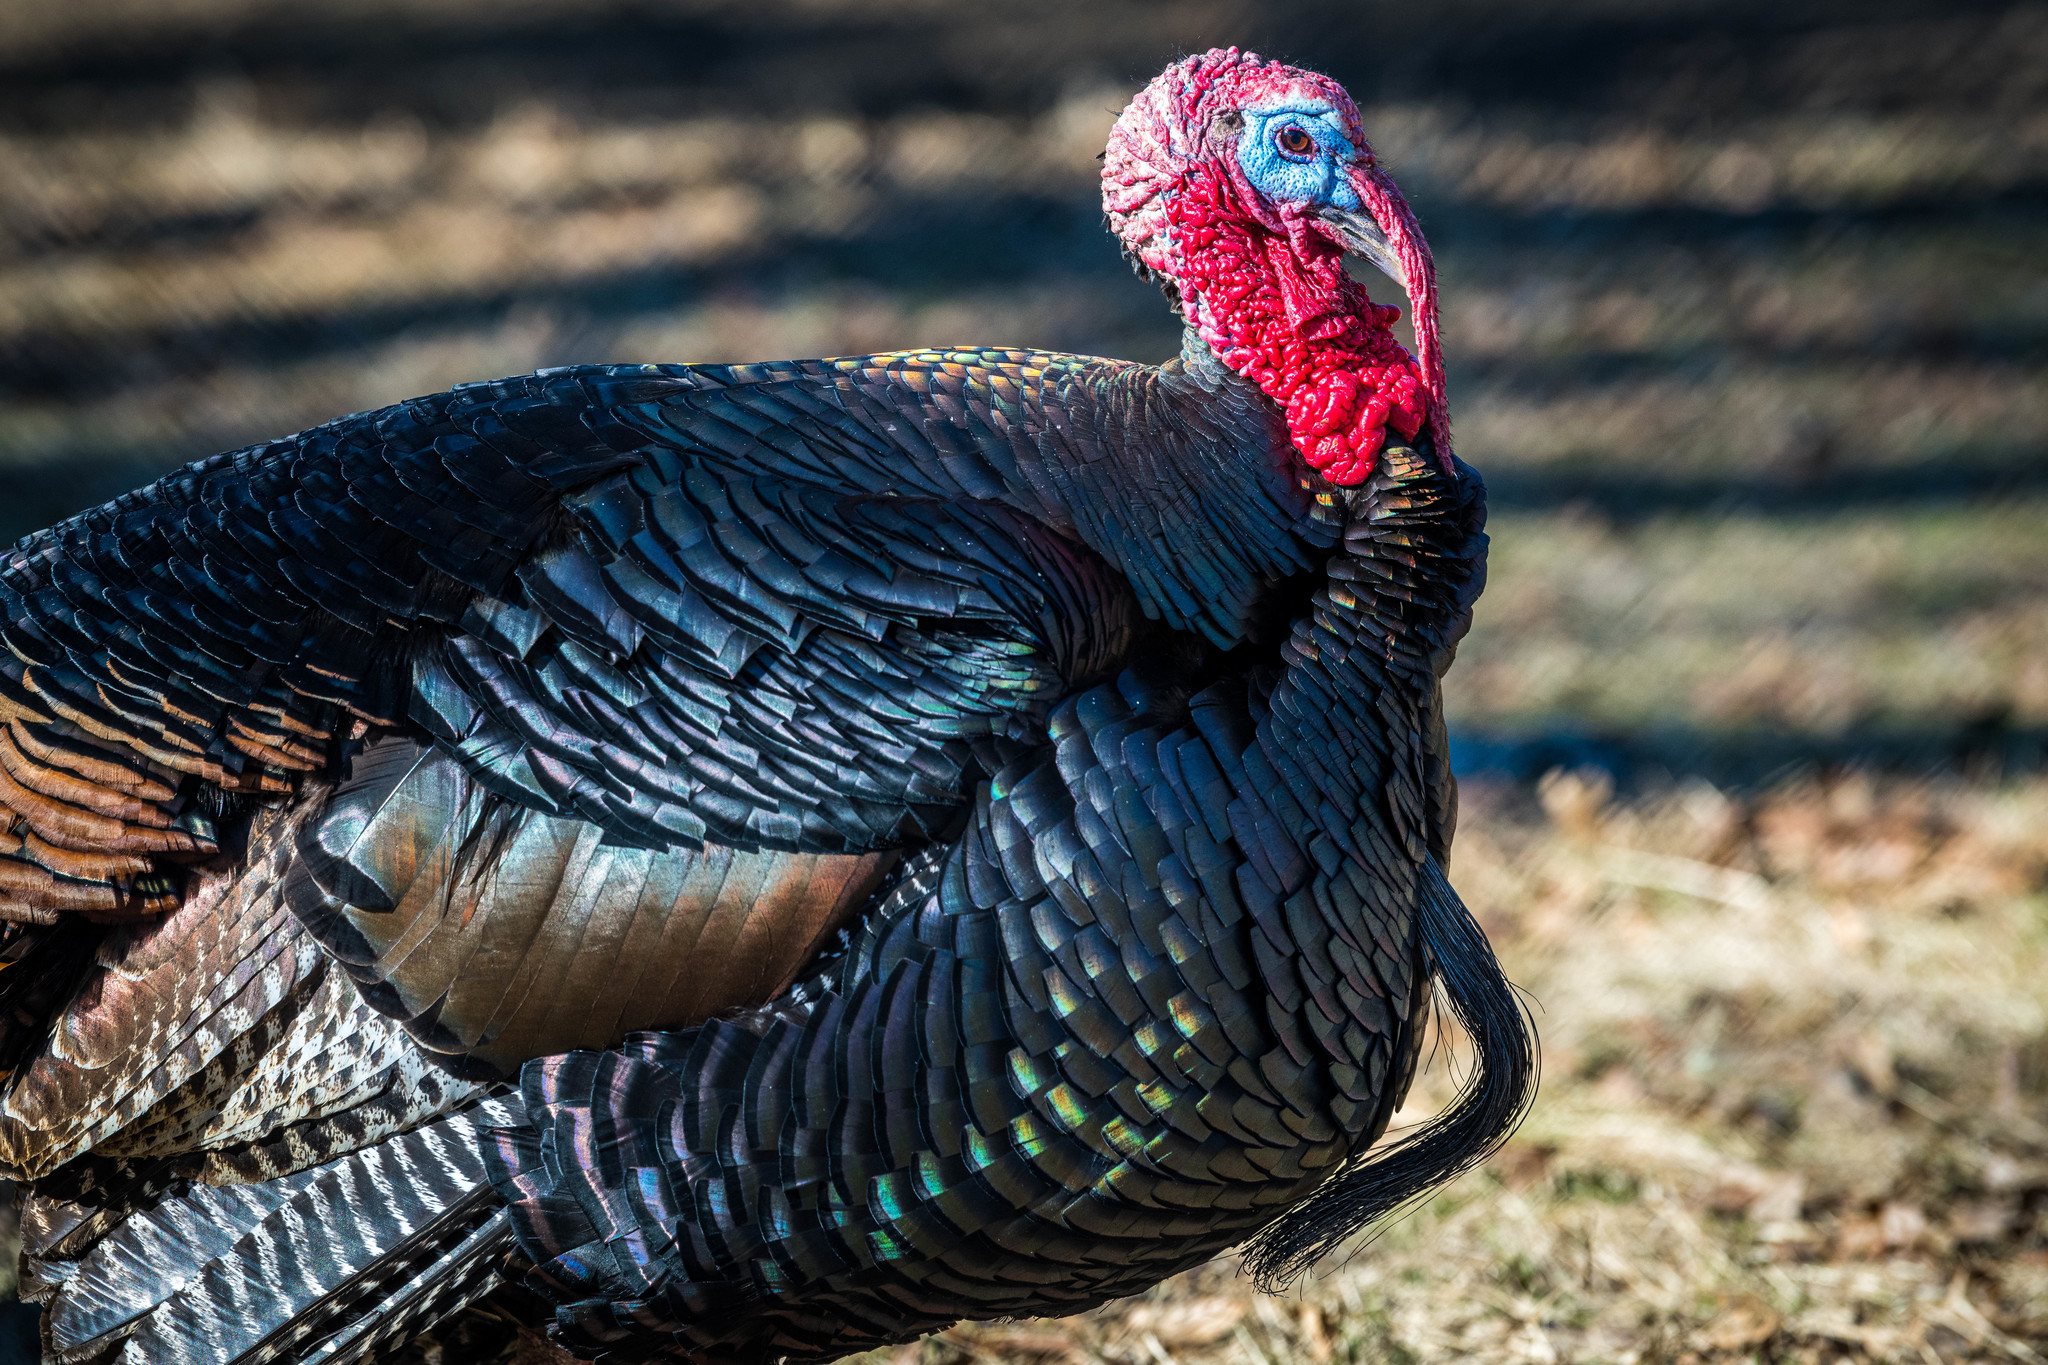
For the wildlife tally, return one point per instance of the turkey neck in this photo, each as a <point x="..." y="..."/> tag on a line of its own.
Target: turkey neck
<point x="1184" y="477"/>
<point x="1229" y="511"/>
<point x="1360" y="688"/>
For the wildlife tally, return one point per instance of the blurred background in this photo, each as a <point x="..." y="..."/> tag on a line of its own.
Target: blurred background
<point x="1746" y="314"/>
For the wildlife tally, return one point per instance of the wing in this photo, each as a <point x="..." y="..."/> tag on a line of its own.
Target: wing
<point x="591" y="614"/>
<point x="495" y="932"/>
<point x="647" y="666"/>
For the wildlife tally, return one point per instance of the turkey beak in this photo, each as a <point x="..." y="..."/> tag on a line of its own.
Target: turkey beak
<point x="1384" y="231"/>
<point x="1363" y="237"/>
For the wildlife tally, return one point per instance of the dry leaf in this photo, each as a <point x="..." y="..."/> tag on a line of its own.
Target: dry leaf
<point x="1315" y="1334"/>
<point x="1987" y="1221"/>
<point x="1740" y="1324"/>
<point x="1901" y="1223"/>
<point x="1187" y="1322"/>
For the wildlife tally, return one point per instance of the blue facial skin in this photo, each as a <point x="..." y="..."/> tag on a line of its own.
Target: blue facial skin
<point x="1285" y="178"/>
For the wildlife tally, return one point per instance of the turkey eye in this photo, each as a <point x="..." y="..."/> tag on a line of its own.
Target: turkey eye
<point x="1294" y="142"/>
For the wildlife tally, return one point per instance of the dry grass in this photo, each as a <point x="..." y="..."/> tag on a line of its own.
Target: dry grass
<point x="1817" y="622"/>
<point x="1795" y="1072"/>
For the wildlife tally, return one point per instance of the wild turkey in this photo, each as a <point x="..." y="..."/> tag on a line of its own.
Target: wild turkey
<point x="766" y="859"/>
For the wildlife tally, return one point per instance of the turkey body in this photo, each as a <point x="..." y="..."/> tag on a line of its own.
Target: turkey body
<point x="775" y="859"/>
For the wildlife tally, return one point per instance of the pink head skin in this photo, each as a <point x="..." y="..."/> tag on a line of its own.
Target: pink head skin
<point x="1244" y="182"/>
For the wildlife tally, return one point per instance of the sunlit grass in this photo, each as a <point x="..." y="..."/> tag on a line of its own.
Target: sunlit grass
<point x="1918" y="615"/>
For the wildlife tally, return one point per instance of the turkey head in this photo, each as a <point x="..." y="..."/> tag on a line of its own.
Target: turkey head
<point x="1239" y="184"/>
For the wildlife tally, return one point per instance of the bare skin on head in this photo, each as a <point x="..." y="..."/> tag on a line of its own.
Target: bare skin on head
<point x="1241" y="183"/>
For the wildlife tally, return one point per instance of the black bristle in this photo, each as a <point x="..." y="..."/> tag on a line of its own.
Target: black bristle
<point x="1494" y="1100"/>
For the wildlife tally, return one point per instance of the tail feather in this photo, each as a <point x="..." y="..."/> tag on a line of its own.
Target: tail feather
<point x="39" y="966"/>
<point x="1492" y="1104"/>
<point x="459" y="1277"/>
<point x="151" y="1257"/>
<point x="328" y="1264"/>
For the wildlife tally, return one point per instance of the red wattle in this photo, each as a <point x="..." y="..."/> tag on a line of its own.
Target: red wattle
<point x="1277" y="308"/>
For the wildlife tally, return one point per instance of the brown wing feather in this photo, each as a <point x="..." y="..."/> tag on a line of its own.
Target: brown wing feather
<point x="83" y="818"/>
<point x="497" y="933"/>
<point x="157" y="1047"/>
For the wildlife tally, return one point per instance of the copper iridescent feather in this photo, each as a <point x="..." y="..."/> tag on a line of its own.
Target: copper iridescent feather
<point x="928" y="835"/>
